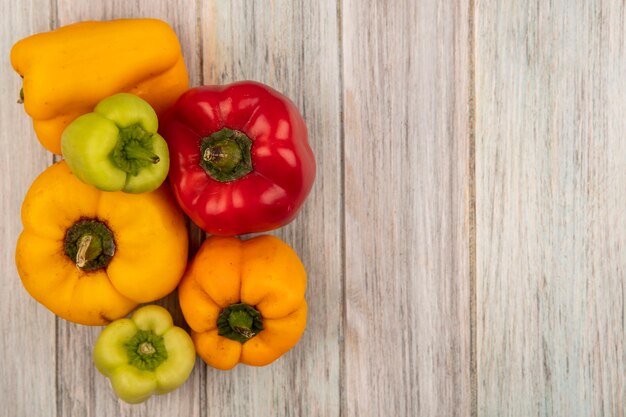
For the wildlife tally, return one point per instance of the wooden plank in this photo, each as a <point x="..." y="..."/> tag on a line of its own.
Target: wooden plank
<point x="291" y="46"/>
<point x="82" y="390"/>
<point x="406" y="93"/>
<point x="551" y="193"/>
<point x="28" y="368"/>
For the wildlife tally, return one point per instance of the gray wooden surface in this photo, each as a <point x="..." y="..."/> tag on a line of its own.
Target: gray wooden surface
<point x="466" y="236"/>
<point x="551" y="208"/>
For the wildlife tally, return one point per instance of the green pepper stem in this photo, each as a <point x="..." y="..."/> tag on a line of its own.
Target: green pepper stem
<point x="146" y="350"/>
<point x="226" y="155"/>
<point x="134" y="151"/>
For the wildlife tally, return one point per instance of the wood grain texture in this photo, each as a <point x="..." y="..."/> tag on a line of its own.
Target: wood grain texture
<point x="82" y="391"/>
<point x="406" y="130"/>
<point x="551" y="217"/>
<point x="28" y="329"/>
<point x="292" y="46"/>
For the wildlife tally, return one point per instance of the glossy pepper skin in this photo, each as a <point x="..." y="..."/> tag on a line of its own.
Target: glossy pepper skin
<point x="68" y="70"/>
<point x="240" y="158"/>
<point x="244" y="300"/>
<point x="144" y="355"/>
<point x="117" y="147"/>
<point x="91" y="256"/>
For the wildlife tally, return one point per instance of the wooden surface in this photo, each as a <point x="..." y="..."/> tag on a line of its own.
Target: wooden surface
<point x="406" y="137"/>
<point x="551" y="208"/>
<point x="466" y="236"/>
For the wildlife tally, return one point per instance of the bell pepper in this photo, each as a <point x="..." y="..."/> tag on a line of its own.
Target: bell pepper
<point x="117" y="147"/>
<point x="144" y="355"/>
<point x="240" y="159"/>
<point x="244" y="300"/>
<point x="68" y="70"/>
<point x="91" y="256"/>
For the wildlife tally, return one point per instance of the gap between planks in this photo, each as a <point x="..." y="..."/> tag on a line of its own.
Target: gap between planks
<point x="343" y="401"/>
<point x="472" y="209"/>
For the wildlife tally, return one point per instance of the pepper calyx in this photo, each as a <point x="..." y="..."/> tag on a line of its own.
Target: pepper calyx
<point x="146" y="350"/>
<point x="226" y="155"/>
<point x="134" y="149"/>
<point x="239" y="322"/>
<point x="89" y="244"/>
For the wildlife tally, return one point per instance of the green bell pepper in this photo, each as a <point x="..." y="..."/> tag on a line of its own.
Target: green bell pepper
<point x="145" y="354"/>
<point x="117" y="147"/>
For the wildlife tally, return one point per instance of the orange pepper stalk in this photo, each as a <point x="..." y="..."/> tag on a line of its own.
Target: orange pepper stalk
<point x="244" y="301"/>
<point x="69" y="70"/>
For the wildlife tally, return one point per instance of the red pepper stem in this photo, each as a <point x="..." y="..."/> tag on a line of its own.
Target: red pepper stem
<point x="226" y="155"/>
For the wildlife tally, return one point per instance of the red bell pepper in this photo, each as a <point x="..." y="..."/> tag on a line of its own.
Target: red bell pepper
<point x="240" y="161"/>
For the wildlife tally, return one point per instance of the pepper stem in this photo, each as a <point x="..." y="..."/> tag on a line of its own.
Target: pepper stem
<point x="226" y="155"/>
<point x="134" y="151"/>
<point x="89" y="248"/>
<point x="239" y="322"/>
<point x="146" y="350"/>
<point x="89" y="244"/>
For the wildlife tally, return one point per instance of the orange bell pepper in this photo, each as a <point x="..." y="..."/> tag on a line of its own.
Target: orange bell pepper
<point x="69" y="70"/>
<point x="91" y="256"/>
<point x="244" y="301"/>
